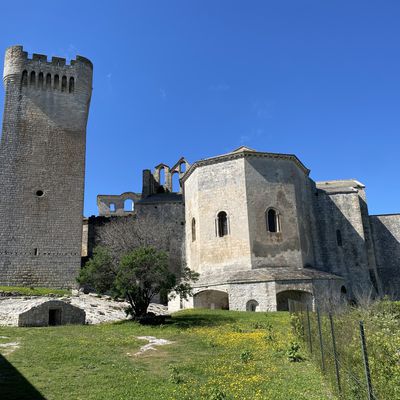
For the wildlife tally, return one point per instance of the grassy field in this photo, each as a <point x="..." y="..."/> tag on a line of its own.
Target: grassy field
<point x="27" y="291"/>
<point x="215" y="355"/>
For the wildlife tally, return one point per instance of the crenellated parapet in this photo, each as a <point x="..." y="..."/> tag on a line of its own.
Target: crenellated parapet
<point x="39" y="73"/>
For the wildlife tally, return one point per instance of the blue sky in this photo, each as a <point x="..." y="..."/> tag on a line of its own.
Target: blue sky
<point x="320" y="79"/>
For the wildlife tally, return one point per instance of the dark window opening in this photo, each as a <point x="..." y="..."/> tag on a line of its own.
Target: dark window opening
<point x="39" y="193"/>
<point x="193" y="229"/>
<point x="33" y="78"/>
<point x="35" y="252"/>
<point x="64" y="84"/>
<point x="339" y="238"/>
<point x="222" y="223"/>
<point x="48" y="81"/>
<point x="71" y="85"/>
<point x="273" y="221"/>
<point x="55" y="317"/>
<point x="40" y="80"/>
<point x="24" y="79"/>
<point x="56" y="81"/>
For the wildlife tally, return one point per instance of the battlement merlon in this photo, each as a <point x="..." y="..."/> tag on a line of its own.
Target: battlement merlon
<point x="16" y="60"/>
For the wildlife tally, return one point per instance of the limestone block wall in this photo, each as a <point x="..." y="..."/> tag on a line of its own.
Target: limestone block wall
<point x="279" y="184"/>
<point x="341" y="242"/>
<point x="210" y="189"/>
<point x="42" y="166"/>
<point x="386" y="238"/>
<point x="262" y="292"/>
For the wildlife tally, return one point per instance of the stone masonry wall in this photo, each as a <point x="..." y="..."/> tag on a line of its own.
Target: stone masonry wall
<point x="386" y="238"/>
<point x="42" y="165"/>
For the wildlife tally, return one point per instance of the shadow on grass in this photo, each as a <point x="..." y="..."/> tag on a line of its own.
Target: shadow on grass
<point x="14" y="386"/>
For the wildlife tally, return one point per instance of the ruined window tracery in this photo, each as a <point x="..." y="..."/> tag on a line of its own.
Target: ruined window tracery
<point x="273" y="221"/>
<point x="222" y="224"/>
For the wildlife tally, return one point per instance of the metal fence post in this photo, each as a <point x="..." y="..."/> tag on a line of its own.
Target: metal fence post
<point x="309" y="328"/>
<point x="321" y="343"/>
<point x="335" y="353"/>
<point x="366" y="363"/>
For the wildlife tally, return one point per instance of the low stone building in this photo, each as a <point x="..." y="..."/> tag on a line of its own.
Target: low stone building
<point x="39" y="311"/>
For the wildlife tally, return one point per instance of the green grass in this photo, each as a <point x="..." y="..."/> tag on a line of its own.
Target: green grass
<point x="30" y="291"/>
<point x="215" y="353"/>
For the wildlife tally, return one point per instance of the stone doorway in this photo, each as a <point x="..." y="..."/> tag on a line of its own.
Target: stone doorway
<point x="282" y="298"/>
<point x="54" y="316"/>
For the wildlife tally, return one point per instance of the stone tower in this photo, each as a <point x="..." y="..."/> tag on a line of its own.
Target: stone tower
<point x="42" y="167"/>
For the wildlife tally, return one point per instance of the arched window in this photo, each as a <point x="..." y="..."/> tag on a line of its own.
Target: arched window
<point x="176" y="186"/>
<point x="339" y="238"/>
<point x="222" y="224"/>
<point x="112" y="207"/>
<point x="64" y="84"/>
<point x="273" y="222"/>
<point x="56" y="81"/>
<point x="193" y="229"/>
<point x="48" y="81"/>
<point x="128" y="205"/>
<point x="71" y="84"/>
<point x="24" y="79"/>
<point x="40" y="80"/>
<point x="32" y="81"/>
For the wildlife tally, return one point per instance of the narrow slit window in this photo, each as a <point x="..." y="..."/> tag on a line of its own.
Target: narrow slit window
<point x="40" y="80"/>
<point x="71" y="85"/>
<point x="193" y="229"/>
<point x="64" y="84"/>
<point x="339" y="238"/>
<point x="48" y="81"/>
<point x="24" y="79"/>
<point x="56" y="81"/>
<point x="222" y="224"/>
<point x="273" y="223"/>
<point x="33" y="78"/>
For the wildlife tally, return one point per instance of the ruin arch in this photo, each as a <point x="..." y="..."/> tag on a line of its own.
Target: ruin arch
<point x="283" y="297"/>
<point x="212" y="299"/>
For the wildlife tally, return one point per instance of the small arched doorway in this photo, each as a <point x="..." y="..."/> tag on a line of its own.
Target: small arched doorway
<point x="252" y="305"/>
<point x="213" y="299"/>
<point x="282" y="298"/>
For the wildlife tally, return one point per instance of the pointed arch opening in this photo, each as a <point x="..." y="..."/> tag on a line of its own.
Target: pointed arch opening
<point x="129" y="205"/>
<point x="32" y="80"/>
<point x="71" y="84"/>
<point x="24" y="79"/>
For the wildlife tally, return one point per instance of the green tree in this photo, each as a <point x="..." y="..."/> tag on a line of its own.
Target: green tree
<point x="137" y="277"/>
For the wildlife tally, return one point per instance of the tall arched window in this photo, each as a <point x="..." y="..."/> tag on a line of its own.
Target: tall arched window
<point x="40" y="80"/>
<point x="129" y="205"/>
<point x="64" y="84"/>
<point x="71" y="84"/>
<point x="193" y="229"/>
<point x="48" y="81"/>
<point x="24" y="80"/>
<point x="56" y="81"/>
<point x="222" y="224"/>
<point x="33" y="79"/>
<point x="273" y="223"/>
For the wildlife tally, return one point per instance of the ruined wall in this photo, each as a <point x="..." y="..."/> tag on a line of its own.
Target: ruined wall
<point x="279" y="184"/>
<point x="386" y="238"/>
<point x="42" y="164"/>
<point x="341" y="240"/>
<point x="210" y="189"/>
<point x="158" y="224"/>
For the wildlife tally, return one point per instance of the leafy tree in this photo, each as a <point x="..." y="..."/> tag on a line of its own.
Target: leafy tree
<point x="138" y="276"/>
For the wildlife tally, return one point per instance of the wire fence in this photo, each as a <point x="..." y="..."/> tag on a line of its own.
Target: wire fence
<point x="339" y="346"/>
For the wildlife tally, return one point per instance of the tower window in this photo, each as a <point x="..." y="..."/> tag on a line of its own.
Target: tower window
<point x="40" y="79"/>
<point x="273" y="222"/>
<point x="64" y="84"/>
<point x="56" y="81"/>
<point x="339" y="238"/>
<point x="48" y="81"/>
<point x="222" y="224"/>
<point x="193" y="229"/>
<point x="24" y="79"/>
<point x="33" y="79"/>
<point x="71" y="85"/>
